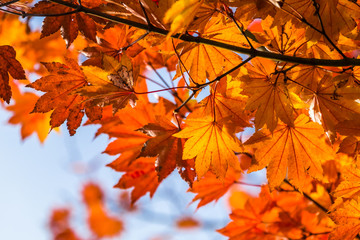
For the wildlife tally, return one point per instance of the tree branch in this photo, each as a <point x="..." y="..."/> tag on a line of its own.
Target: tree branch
<point x="189" y="38"/>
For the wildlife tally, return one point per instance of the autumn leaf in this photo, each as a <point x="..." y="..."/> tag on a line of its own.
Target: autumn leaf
<point x="348" y="128"/>
<point x="141" y="176"/>
<point x="347" y="218"/>
<point x="327" y="10"/>
<point x="187" y="223"/>
<point x="210" y="143"/>
<point x="330" y="105"/>
<point x="350" y="186"/>
<point x="111" y="85"/>
<point x="8" y="65"/>
<point x="167" y="149"/>
<point x="60" y="225"/>
<point x="247" y="222"/>
<point x="69" y="24"/>
<point x="210" y="188"/>
<point x="225" y="105"/>
<point x="59" y="86"/>
<point x="290" y="151"/>
<point x="139" y="173"/>
<point x="350" y="146"/>
<point x="203" y="62"/>
<point x="99" y="222"/>
<point x="279" y="214"/>
<point x="268" y="95"/>
<point x="114" y="42"/>
<point x="284" y="39"/>
<point x="181" y="14"/>
<point x="30" y="123"/>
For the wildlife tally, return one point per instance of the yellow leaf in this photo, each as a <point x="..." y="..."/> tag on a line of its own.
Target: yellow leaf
<point x="292" y="151"/>
<point x="211" y="145"/>
<point x="181" y="14"/>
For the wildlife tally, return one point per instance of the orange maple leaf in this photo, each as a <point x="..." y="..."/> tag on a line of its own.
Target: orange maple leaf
<point x="8" y="65"/>
<point x="181" y="14"/>
<point x="330" y="105"/>
<point x="207" y="62"/>
<point x="211" y="144"/>
<point x="59" y="87"/>
<point x="60" y="226"/>
<point x="140" y="173"/>
<point x="70" y="24"/>
<point x="268" y="94"/>
<point x="141" y="176"/>
<point x="210" y="188"/>
<point x="168" y="150"/>
<point x="30" y="123"/>
<point x="292" y="151"/>
<point x="111" y="85"/>
<point x="99" y="222"/>
<point x="350" y="186"/>
<point x="347" y="217"/>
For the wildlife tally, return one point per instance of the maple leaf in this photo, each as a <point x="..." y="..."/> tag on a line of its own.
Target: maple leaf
<point x="113" y="85"/>
<point x="292" y="151"/>
<point x="347" y="218"/>
<point x="350" y="146"/>
<point x="284" y="39"/>
<point x="60" y="226"/>
<point x="268" y="95"/>
<point x="248" y="223"/>
<point x="348" y="128"/>
<point x="181" y="14"/>
<point x="330" y="105"/>
<point x="114" y="42"/>
<point x="327" y="11"/>
<point x="187" y="223"/>
<point x="226" y="104"/>
<point x="140" y="175"/>
<point x="210" y="143"/>
<point x="274" y="215"/>
<point x="168" y="150"/>
<point x="350" y="187"/>
<point x="69" y="24"/>
<point x="99" y="222"/>
<point x="210" y="188"/>
<point x="59" y="87"/>
<point x="8" y="65"/>
<point x="207" y="62"/>
<point x="30" y="123"/>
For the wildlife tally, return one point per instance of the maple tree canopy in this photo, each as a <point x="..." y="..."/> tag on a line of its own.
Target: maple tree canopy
<point x="254" y="84"/>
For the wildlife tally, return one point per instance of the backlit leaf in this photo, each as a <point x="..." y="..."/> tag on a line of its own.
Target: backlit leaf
<point x="291" y="151"/>
<point x="209" y="188"/>
<point x="210" y="144"/>
<point x="168" y="150"/>
<point x="347" y="218"/>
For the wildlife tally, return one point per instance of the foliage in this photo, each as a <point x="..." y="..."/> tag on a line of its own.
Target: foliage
<point x="285" y="71"/>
